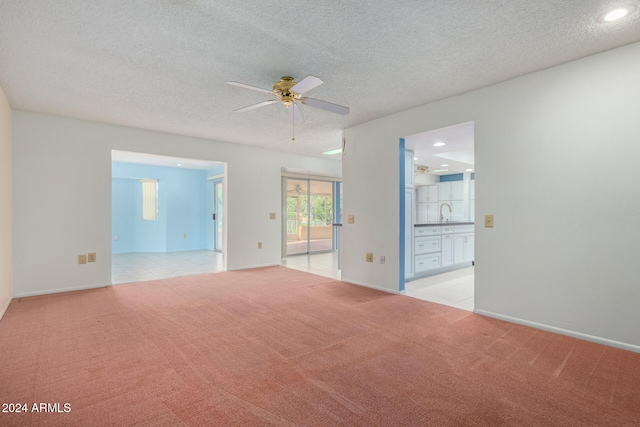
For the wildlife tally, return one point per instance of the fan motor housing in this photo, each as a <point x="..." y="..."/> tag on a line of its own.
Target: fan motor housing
<point x="282" y="90"/>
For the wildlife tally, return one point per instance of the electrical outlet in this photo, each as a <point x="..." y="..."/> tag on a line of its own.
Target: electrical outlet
<point x="91" y="257"/>
<point x="488" y="221"/>
<point x="82" y="259"/>
<point x="272" y="215"/>
<point x="382" y="259"/>
<point x="369" y="257"/>
<point x="259" y="245"/>
<point x="351" y="219"/>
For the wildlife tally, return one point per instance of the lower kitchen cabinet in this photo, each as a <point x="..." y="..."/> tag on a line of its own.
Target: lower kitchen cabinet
<point x="427" y="262"/>
<point x="463" y="248"/>
<point x="442" y="247"/>
<point x="447" y="250"/>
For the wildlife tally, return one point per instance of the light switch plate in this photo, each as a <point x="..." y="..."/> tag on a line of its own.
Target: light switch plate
<point x="488" y="221"/>
<point x="351" y="219"/>
<point x="369" y="257"/>
<point x="272" y="215"/>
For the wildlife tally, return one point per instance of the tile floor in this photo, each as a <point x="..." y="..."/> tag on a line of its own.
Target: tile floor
<point x="324" y="264"/>
<point x="144" y="266"/>
<point x="454" y="288"/>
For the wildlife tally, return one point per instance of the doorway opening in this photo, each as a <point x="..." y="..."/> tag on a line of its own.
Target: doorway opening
<point x="172" y="228"/>
<point x="439" y="215"/>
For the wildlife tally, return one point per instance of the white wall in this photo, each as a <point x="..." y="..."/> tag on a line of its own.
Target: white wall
<point x="6" y="221"/>
<point x="557" y="162"/>
<point x="62" y="203"/>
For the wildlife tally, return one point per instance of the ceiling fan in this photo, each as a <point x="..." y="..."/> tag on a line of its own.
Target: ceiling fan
<point x="289" y="93"/>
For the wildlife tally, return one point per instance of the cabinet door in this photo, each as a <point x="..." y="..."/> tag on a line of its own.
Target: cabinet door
<point x="423" y="194"/>
<point x="456" y="190"/>
<point x="444" y="191"/>
<point x="432" y="191"/>
<point x="428" y="193"/>
<point x="457" y="206"/>
<point x="432" y="212"/>
<point x="408" y="233"/>
<point x="447" y="250"/>
<point x="463" y="248"/>
<point x="469" y="248"/>
<point x="458" y="248"/>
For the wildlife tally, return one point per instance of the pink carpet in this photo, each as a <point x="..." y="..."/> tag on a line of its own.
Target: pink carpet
<point x="275" y="346"/>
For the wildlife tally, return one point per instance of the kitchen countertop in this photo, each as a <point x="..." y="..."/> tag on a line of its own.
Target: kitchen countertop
<point x="432" y="224"/>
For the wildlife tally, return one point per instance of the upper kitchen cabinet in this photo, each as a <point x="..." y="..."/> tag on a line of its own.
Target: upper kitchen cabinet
<point x="428" y="194"/>
<point x="451" y="190"/>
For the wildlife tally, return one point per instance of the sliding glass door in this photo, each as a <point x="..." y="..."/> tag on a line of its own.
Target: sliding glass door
<point x="309" y="213"/>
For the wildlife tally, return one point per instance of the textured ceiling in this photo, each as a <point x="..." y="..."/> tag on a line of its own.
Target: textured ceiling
<point x="163" y="64"/>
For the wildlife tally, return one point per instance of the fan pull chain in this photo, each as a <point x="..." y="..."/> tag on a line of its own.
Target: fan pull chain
<point x="293" y="128"/>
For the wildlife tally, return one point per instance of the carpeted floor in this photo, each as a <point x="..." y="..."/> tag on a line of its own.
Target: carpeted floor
<point x="275" y="346"/>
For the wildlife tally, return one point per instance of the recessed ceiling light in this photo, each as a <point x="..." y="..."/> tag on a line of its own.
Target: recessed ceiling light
<point x="616" y="14"/>
<point x="444" y="165"/>
<point x="468" y="170"/>
<point x="438" y="144"/>
<point x="330" y="152"/>
<point x="440" y="170"/>
<point x="415" y="158"/>
<point x="179" y="165"/>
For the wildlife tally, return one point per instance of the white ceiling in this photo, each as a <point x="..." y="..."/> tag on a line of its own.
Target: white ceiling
<point x="163" y="64"/>
<point x="455" y="156"/>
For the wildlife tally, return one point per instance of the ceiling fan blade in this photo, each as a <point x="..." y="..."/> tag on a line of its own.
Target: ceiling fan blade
<point x="295" y="114"/>
<point x="246" y="86"/>
<point x="258" y="105"/>
<point x="306" y="84"/>
<point x="324" y="105"/>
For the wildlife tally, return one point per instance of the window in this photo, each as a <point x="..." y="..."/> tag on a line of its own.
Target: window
<point x="149" y="199"/>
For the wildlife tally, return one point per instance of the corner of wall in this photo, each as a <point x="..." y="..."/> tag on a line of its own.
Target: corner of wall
<point x="6" y="206"/>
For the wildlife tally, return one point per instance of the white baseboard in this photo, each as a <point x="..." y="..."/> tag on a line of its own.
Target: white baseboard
<point x="366" y="285"/>
<point x="3" y="310"/>
<point x="567" y="332"/>
<point x="249" y="267"/>
<point x="59" y="290"/>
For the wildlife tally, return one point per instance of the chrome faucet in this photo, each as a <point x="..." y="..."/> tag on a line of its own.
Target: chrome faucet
<point x="441" y="216"/>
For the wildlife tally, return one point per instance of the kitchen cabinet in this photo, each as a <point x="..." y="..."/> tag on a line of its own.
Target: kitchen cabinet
<point x="408" y="233"/>
<point x="463" y="247"/>
<point x="427" y="212"/>
<point x="408" y="169"/>
<point x="441" y="248"/>
<point x="450" y="190"/>
<point x="428" y="194"/>
<point x="446" y="257"/>
<point x="429" y="244"/>
<point x="427" y="262"/>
